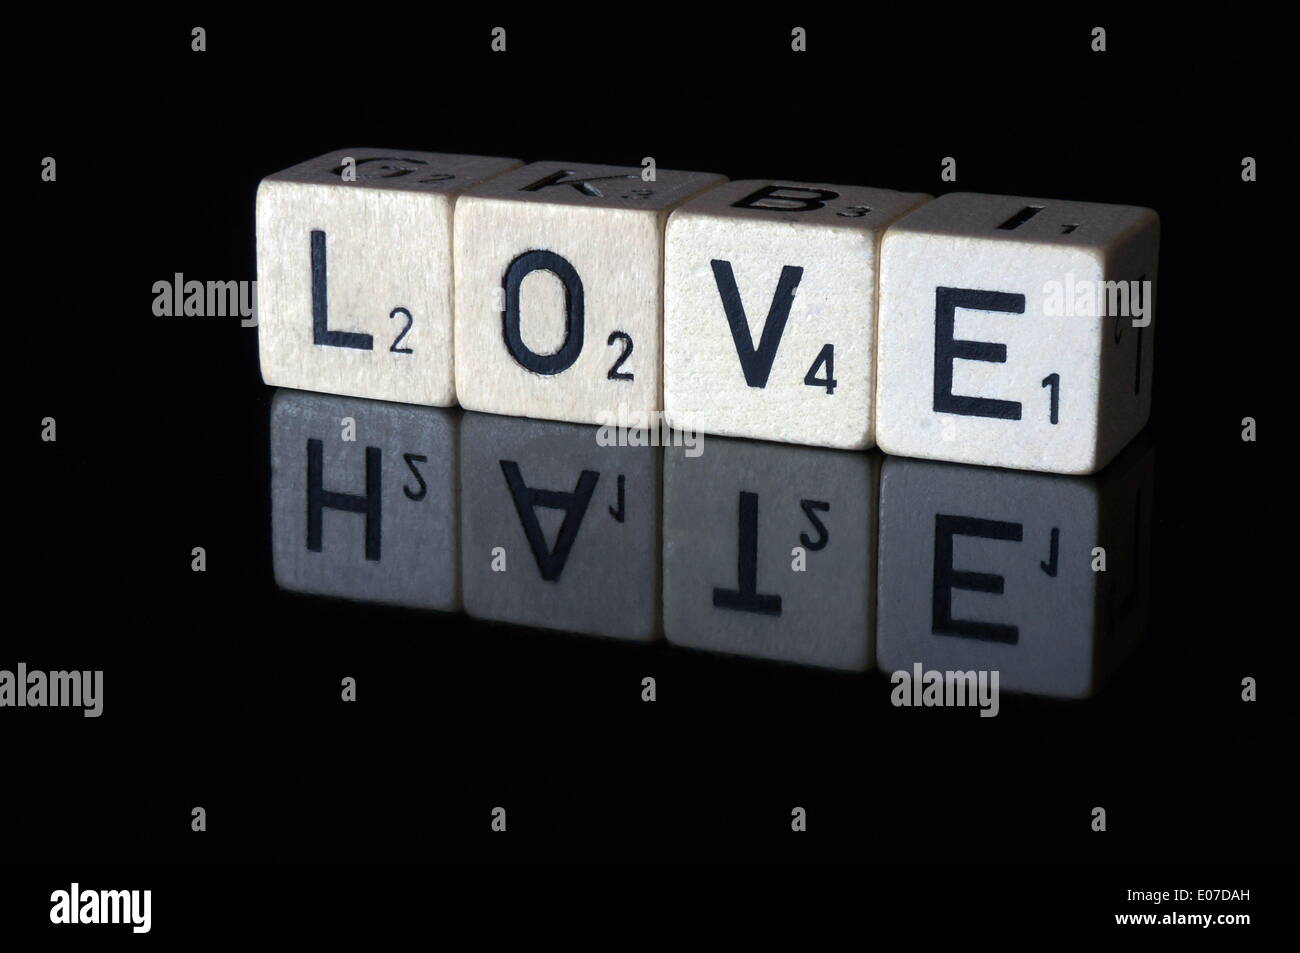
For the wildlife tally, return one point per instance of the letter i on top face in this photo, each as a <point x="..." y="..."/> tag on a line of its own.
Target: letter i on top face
<point x="354" y="264"/>
<point x="1016" y="332"/>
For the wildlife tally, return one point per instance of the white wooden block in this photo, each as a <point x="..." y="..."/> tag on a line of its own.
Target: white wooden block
<point x="559" y="290"/>
<point x="363" y="500"/>
<point x="769" y="552"/>
<point x="355" y="276"/>
<point x="770" y="310"/>
<point x="559" y="532"/>
<point x="1000" y="342"/>
<point x="984" y="569"/>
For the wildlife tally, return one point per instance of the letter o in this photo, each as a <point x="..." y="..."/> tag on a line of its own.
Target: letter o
<point x="521" y="268"/>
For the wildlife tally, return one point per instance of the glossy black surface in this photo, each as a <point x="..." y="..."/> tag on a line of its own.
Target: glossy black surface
<point x="223" y="689"/>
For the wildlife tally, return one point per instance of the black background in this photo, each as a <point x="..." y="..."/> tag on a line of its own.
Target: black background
<point x="222" y="691"/>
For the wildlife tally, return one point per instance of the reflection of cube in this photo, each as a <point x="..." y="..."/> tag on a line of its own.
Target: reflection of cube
<point x="354" y="274"/>
<point x="770" y="310"/>
<point x="559" y="532"/>
<point x="372" y="517"/>
<point x="990" y="570"/>
<point x="559" y="289"/>
<point x="1016" y="332"/>
<point x="769" y="552"/>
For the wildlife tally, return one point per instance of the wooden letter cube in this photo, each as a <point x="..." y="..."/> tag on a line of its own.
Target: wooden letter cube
<point x="559" y="531"/>
<point x="770" y="310"/>
<point x="354" y="272"/>
<point x="984" y="569"/>
<point x="770" y="551"/>
<point x="1016" y="332"/>
<point x="363" y="500"/>
<point x="559" y="290"/>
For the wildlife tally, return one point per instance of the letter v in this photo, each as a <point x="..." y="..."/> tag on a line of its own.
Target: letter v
<point x="756" y="362"/>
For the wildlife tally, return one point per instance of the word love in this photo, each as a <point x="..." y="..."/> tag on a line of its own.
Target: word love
<point x="997" y="330"/>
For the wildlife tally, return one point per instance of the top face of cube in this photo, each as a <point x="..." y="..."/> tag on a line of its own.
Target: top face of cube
<point x="598" y="186"/>
<point x="396" y="169"/>
<point x="804" y="203"/>
<point x="1018" y="219"/>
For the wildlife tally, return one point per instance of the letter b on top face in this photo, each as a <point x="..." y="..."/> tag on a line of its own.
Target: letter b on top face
<point x="355" y="274"/>
<point x="1016" y="332"/>
<point x="559" y="290"/>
